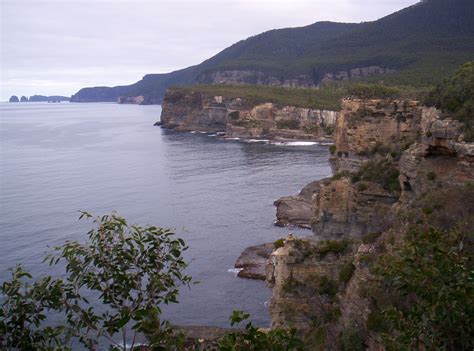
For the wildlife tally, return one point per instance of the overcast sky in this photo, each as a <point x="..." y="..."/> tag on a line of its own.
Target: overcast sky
<point x="59" y="46"/>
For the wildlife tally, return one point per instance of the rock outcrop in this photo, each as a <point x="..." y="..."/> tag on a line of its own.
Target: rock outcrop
<point x="298" y="210"/>
<point x="322" y="284"/>
<point x="367" y="127"/>
<point x="14" y="98"/>
<point x="23" y="99"/>
<point x="441" y="158"/>
<point x="188" y="110"/>
<point x="253" y="260"/>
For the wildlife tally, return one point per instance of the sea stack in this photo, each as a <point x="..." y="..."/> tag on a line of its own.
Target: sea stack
<point x="13" y="98"/>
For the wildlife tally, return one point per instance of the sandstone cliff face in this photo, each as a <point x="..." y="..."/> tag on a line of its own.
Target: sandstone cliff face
<point x="238" y="118"/>
<point x="365" y="125"/>
<point x="439" y="159"/>
<point x="345" y="210"/>
<point x="193" y="111"/>
<point x="430" y="155"/>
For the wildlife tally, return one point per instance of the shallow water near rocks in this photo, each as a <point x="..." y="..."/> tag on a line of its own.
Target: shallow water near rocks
<point x="56" y="159"/>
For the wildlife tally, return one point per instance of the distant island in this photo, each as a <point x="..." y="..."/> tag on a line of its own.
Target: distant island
<point x="39" y="98"/>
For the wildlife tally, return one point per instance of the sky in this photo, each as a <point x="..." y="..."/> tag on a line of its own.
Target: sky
<point x="56" y="47"/>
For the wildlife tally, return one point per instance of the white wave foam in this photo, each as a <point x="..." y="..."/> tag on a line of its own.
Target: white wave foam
<point x="234" y="271"/>
<point x="257" y="141"/>
<point x="212" y="135"/>
<point x="232" y="138"/>
<point x="193" y="132"/>
<point x="296" y="143"/>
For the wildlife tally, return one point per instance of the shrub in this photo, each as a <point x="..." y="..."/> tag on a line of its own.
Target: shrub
<point x="311" y="128"/>
<point x="279" y="243"/>
<point x="331" y="246"/>
<point x="247" y="123"/>
<point x="333" y="149"/>
<point x="129" y="270"/>
<point x="290" y="285"/>
<point x="329" y="130"/>
<point x="346" y="271"/>
<point x="331" y="314"/>
<point x="377" y="322"/>
<point x="455" y="97"/>
<point x="288" y="124"/>
<point x="374" y="91"/>
<point x="433" y="273"/>
<point x="254" y="339"/>
<point x="371" y="237"/>
<point x="340" y="175"/>
<point x="352" y="340"/>
<point x="327" y="286"/>
<point x="361" y="186"/>
<point x="383" y="172"/>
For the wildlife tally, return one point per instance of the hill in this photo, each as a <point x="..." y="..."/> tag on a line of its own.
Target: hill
<point x="417" y="46"/>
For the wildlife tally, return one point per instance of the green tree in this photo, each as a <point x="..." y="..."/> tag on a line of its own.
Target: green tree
<point x="430" y="278"/>
<point x="129" y="270"/>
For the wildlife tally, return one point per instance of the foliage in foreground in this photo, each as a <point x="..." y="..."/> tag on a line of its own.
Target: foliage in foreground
<point x="429" y="282"/>
<point x="254" y="339"/>
<point x="129" y="271"/>
<point x="114" y="286"/>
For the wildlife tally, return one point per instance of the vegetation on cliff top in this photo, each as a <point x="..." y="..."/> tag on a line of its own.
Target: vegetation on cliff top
<point x="326" y="98"/>
<point x="419" y="45"/>
<point x="455" y="97"/>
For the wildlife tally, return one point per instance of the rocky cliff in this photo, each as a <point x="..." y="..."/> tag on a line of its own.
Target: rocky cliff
<point x="188" y="110"/>
<point x="397" y="162"/>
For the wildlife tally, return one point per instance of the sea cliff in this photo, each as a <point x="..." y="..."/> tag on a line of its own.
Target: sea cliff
<point x="188" y="110"/>
<point x="397" y="163"/>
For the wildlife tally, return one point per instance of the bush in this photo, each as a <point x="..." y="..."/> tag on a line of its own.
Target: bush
<point x="333" y="149"/>
<point x="327" y="286"/>
<point x="247" y="123"/>
<point x="371" y="237"/>
<point x="311" y="128"/>
<point x="290" y="285"/>
<point x="288" y="124"/>
<point x="346" y="271"/>
<point x="383" y="172"/>
<point x="254" y="339"/>
<point x="331" y="246"/>
<point x="352" y="340"/>
<point x="374" y="91"/>
<point x="340" y="175"/>
<point x="455" y="97"/>
<point x="279" y="243"/>
<point x="130" y="271"/>
<point x="433" y="274"/>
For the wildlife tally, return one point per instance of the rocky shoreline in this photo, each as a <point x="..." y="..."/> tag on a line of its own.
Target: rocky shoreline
<point x="386" y="154"/>
<point x="237" y="118"/>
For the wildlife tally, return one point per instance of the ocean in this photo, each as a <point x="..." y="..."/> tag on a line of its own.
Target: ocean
<point x="57" y="159"/>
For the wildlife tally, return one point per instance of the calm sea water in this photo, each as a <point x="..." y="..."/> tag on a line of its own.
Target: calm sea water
<point x="56" y="159"/>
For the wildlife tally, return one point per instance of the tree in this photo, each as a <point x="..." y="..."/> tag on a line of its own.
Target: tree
<point x="129" y="270"/>
<point x="430" y="278"/>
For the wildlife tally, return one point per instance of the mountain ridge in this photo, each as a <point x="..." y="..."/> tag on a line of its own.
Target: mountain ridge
<point x="417" y="46"/>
